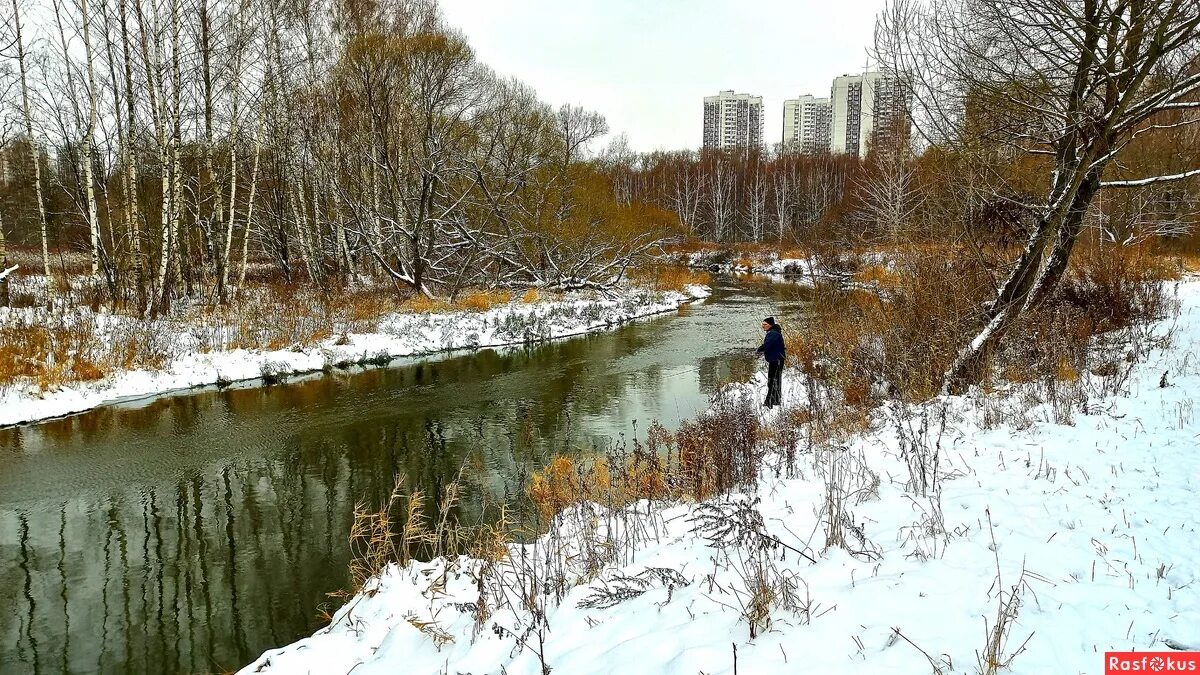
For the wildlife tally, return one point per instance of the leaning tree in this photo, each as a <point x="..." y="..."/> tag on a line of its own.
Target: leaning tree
<point x="1072" y="82"/>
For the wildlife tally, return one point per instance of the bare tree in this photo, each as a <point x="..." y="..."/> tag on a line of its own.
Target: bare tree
<point x="1072" y="83"/>
<point x="27" y="117"/>
<point x="757" y="188"/>
<point x="888" y="190"/>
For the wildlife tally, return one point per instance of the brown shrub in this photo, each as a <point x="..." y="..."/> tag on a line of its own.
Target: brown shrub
<point x="422" y="303"/>
<point x="1115" y="285"/>
<point x="713" y="454"/>
<point x="717" y="452"/>
<point x="904" y="330"/>
<point x="660" y="277"/>
<point x="482" y="301"/>
<point x="878" y="276"/>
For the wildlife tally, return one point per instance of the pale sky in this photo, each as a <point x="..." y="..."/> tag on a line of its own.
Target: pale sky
<point x="646" y="65"/>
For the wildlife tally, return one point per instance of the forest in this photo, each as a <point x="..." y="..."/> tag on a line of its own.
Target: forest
<point x="182" y="147"/>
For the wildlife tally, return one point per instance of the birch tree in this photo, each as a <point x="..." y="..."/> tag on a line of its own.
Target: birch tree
<point x="27" y="118"/>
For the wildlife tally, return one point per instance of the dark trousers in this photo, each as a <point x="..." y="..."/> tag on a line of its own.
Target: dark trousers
<point x="774" y="383"/>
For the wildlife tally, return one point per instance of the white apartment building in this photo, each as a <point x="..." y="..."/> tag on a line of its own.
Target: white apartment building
<point x="733" y="121"/>
<point x="861" y="105"/>
<point x="807" y="124"/>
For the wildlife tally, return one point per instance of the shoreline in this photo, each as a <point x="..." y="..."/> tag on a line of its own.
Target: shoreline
<point x="1066" y="532"/>
<point x="400" y="336"/>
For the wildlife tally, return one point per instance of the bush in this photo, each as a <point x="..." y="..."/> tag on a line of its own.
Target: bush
<point x="660" y="277"/>
<point x="482" y="301"/>
<point x="714" y="454"/>
<point x="896" y="331"/>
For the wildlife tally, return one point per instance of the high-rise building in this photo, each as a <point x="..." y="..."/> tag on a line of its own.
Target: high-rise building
<point x="866" y="108"/>
<point x="806" y="124"/>
<point x="733" y="121"/>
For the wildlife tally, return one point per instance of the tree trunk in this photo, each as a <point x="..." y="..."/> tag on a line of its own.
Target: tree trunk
<point x="176" y="141"/>
<point x="130" y="175"/>
<point x="1064" y="242"/>
<point x="27" y="114"/>
<point x="3" y="265"/>
<point x="1030" y="282"/>
<point x="88" y="136"/>
<point x="157" y="94"/>
<point x="250" y="200"/>
<point x="223" y="255"/>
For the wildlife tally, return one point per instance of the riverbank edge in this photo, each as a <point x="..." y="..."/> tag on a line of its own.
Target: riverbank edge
<point x="1003" y="515"/>
<point x="438" y="333"/>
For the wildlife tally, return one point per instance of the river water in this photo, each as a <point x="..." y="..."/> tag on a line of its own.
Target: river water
<point x="187" y="534"/>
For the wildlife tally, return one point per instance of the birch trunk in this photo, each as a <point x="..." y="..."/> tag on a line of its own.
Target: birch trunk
<point x="3" y="265"/>
<point x="130" y="174"/>
<point x="88" y="136"/>
<point x="176" y="140"/>
<point x="258" y="133"/>
<point x="27" y="114"/>
<point x="157" y="95"/>
<point x="296" y="203"/>
<point x="223" y="258"/>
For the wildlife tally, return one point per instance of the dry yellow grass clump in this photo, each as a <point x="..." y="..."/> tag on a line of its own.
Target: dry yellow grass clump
<point x="705" y="457"/>
<point x="669" y="277"/>
<point x="483" y="300"/>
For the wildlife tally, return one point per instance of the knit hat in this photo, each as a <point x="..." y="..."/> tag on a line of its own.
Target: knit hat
<point x="770" y="320"/>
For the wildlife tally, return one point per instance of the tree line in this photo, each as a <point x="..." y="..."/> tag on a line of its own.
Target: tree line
<point x="184" y="144"/>
<point x="749" y="195"/>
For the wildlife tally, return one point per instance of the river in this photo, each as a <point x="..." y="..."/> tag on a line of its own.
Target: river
<point x="189" y="533"/>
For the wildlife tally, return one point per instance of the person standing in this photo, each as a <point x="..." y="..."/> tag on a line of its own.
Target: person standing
<point x="773" y="351"/>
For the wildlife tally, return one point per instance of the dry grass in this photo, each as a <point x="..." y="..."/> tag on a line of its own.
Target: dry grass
<point x="711" y="455"/>
<point x="483" y="300"/>
<point x="421" y="304"/>
<point x="877" y="276"/>
<point x="795" y="254"/>
<point x="49" y="349"/>
<point x="898" y="336"/>
<point x="663" y="277"/>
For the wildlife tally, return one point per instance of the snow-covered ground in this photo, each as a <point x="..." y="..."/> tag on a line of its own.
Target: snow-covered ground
<point x="398" y="335"/>
<point x="771" y="263"/>
<point x="1086" y="532"/>
<point x="724" y="261"/>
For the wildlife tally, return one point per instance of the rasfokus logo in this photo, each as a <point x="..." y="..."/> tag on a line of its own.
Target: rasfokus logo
<point x="1151" y="662"/>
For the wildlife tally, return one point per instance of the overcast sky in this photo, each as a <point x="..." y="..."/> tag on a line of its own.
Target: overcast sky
<point x="646" y="65"/>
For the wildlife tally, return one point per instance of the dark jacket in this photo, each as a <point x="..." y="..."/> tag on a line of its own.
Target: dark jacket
<point x="772" y="346"/>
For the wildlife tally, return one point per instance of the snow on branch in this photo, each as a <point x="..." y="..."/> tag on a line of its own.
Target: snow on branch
<point x="8" y="271"/>
<point x="1182" y="105"/>
<point x="1153" y="179"/>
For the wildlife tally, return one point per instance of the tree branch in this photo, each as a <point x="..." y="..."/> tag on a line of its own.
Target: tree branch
<point x="1148" y="181"/>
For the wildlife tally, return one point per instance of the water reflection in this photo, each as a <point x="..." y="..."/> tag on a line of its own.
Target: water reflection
<point x="188" y="534"/>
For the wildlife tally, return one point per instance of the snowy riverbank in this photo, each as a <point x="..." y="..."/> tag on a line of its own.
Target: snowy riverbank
<point x="957" y="512"/>
<point x="794" y="266"/>
<point x="398" y="335"/>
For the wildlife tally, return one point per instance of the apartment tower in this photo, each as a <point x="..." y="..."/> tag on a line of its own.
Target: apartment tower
<point x="863" y="106"/>
<point x="733" y="121"/>
<point x="806" y="124"/>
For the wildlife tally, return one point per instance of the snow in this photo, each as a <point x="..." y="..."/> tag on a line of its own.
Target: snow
<point x="719" y="260"/>
<point x="399" y="335"/>
<point x="792" y="269"/>
<point x="1095" y="521"/>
